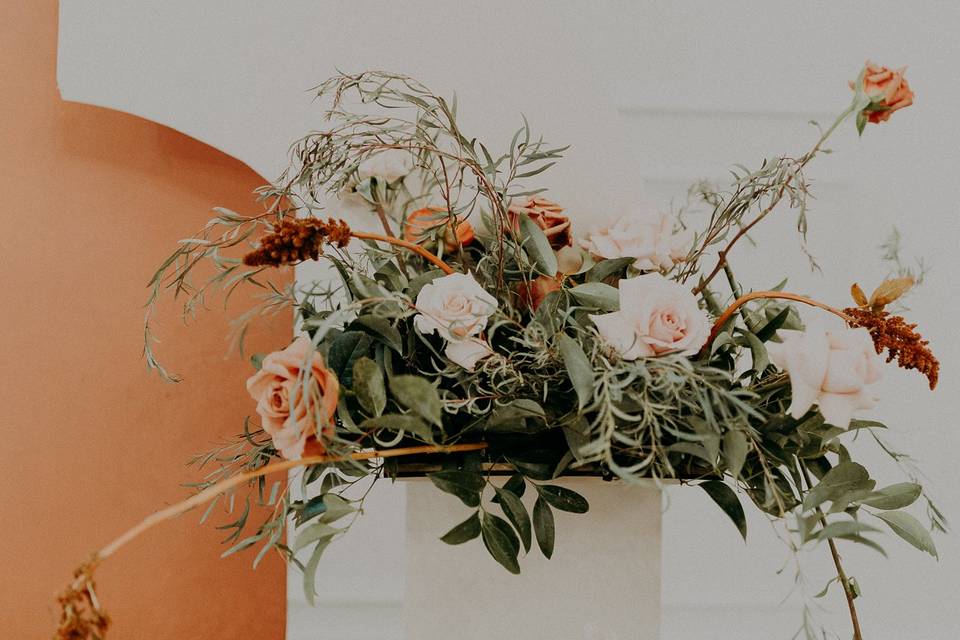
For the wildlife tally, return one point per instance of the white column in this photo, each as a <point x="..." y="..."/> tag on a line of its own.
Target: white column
<point x="603" y="582"/>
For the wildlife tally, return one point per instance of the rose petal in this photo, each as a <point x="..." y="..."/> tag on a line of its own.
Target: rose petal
<point x="467" y="353"/>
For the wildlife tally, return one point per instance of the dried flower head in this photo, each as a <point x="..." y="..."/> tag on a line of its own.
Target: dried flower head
<point x="81" y="617"/>
<point x="900" y="340"/>
<point x="295" y="240"/>
<point x="887" y="292"/>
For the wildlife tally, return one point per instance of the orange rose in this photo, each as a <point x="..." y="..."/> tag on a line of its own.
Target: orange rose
<point x="422" y="221"/>
<point x="548" y="216"/>
<point x="288" y="414"/>
<point x="533" y="293"/>
<point x="888" y="91"/>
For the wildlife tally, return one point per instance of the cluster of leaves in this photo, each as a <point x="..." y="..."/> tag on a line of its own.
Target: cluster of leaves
<point x="552" y="399"/>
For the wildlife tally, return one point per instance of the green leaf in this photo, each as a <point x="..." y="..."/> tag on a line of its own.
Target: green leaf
<point x="380" y="328"/>
<point x="311" y="509"/>
<point x="337" y="507"/>
<point x="770" y="328"/>
<point x="422" y="280"/>
<point x="910" y="529"/>
<point x="537" y="246"/>
<point x="865" y="424"/>
<point x="418" y="395"/>
<point x="346" y="349"/>
<point x="597" y="295"/>
<point x="517" y="515"/>
<point x="577" y="436"/>
<point x="579" y="368"/>
<point x="613" y="268"/>
<point x="735" y="451"/>
<point x="313" y="533"/>
<point x="516" y="485"/>
<point x="465" y="531"/>
<point x="513" y="417"/>
<point x="533" y="468"/>
<point x="310" y="570"/>
<point x="896" y="496"/>
<point x="500" y="541"/>
<point x="843" y="529"/>
<point x="466" y="485"/>
<point x="727" y="500"/>
<point x="844" y="478"/>
<point x="398" y="422"/>
<point x="368" y="385"/>
<point x="563" y="499"/>
<point x="758" y="352"/>
<point x="544" y="527"/>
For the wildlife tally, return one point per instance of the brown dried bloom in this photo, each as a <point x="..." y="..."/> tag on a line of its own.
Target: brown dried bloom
<point x="548" y="216"/>
<point x="81" y="617"/>
<point x="296" y="239"/>
<point x="899" y="338"/>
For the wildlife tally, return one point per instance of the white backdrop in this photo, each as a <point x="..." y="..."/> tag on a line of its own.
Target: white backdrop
<point x="654" y="95"/>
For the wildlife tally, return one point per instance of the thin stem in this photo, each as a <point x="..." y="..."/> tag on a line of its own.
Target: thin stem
<point x="387" y="229"/>
<point x="841" y="574"/>
<point x="363" y="235"/>
<point x="745" y="229"/>
<point x="756" y="295"/>
<point x="210" y="493"/>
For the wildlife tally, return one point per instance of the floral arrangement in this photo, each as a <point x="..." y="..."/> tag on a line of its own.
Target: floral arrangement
<point x="484" y="340"/>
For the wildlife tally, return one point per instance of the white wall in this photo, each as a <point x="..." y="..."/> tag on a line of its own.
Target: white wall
<point x="692" y="87"/>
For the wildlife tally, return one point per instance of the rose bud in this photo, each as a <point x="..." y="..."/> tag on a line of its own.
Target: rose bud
<point x="888" y="91"/>
<point x="424" y="222"/>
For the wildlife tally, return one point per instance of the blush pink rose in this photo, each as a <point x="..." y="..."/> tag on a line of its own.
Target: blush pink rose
<point x="830" y="369"/>
<point x="656" y="316"/>
<point x="290" y="410"/>
<point x="649" y="237"/>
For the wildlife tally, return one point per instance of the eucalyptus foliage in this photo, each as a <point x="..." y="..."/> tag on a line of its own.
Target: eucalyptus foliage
<point x="552" y="400"/>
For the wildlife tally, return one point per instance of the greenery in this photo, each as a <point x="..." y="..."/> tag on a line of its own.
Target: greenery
<point x="549" y="395"/>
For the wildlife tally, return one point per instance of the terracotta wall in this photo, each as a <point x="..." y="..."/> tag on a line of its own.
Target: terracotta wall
<point x="92" y="200"/>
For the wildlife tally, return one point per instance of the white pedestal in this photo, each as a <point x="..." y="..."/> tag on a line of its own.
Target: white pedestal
<point x="603" y="582"/>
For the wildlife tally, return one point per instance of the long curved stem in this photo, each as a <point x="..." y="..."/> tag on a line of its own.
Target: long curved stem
<point x="756" y="295"/>
<point x="411" y="246"/>
<point x="211" y="492"/>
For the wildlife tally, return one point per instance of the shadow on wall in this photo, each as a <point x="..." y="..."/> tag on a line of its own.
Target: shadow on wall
<point x="94" y="200"/>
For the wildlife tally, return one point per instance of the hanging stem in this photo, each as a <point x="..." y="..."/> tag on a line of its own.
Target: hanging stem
<point x="210" y="493"/>
<point x="82" y="615"/>
<point x="756" y="295"/>
<point x="841" y="574"/>
<point x="412" y="246"/>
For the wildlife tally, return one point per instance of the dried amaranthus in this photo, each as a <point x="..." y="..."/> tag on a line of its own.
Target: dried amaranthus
<point x="297" y="239"/>
<point x="81" y="617"/>
<point x="899" y="338"/>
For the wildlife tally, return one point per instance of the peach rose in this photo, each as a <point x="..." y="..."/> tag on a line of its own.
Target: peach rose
<point x="888" y="90"/>
<point x="656" y="316"/>
<point x="648" y="236"/>
<point x="288" y="414"/>
<point x="548" y="216"/>
<point x="424" y="222"/>
<point x="830" y="369"/>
